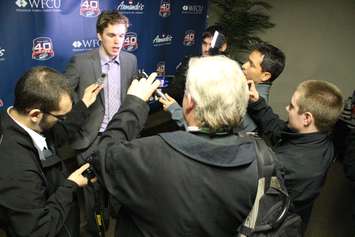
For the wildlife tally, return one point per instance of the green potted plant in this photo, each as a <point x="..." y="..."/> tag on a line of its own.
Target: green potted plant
<point x="242" y="20"/>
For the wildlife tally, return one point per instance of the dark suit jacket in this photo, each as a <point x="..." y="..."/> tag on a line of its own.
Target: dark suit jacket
<point x="82" y="71"/>
<point x="36" y="199"/>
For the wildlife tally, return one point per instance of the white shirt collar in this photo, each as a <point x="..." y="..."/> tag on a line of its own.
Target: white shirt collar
<point x="193" y="129"/>
<point x="39" y="141"/>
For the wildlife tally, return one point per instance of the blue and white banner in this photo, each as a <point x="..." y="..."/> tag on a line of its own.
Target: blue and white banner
<point x="49" y="32"/>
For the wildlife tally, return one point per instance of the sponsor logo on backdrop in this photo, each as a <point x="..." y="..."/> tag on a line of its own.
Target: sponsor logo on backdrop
<point x="189" y="38"/>
<point x="131" y="7"/>
<point x="131" y="42"/>
<point x="192" y="9"/>
<point x="85" y="45"/>
<point x="161" y="68"/>
<point x="42" y="48"/>
<point x="163" y="39"/>
<point x="2" y="54"/>
<point x="90" y="8"/>
<point x="38" y="5"/>
<point x="165" y="8"/>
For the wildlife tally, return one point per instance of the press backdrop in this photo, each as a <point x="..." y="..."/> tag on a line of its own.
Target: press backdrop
<point x="49" y="32"/>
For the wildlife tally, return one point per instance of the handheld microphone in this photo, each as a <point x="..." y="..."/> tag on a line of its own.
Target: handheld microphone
<point x="158" y="92"/>
<point x="101" y="79"/>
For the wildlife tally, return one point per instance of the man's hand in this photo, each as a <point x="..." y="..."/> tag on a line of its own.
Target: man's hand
<point x="253" y="93"/>
<point x="167" y="103"/>
<point x="91" y="93"/>
<point x="144" y="88"/>
<point x="78" y="178"/>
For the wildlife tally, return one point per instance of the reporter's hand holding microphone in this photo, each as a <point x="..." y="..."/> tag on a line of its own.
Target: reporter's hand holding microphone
<point x="145" y="87"/>
<point x="167" y="101"/>
<point x="84" y="175"/>
<point x="142" y="89"/>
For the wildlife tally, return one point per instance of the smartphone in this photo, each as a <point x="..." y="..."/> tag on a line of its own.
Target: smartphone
<point x="164" y="80"/>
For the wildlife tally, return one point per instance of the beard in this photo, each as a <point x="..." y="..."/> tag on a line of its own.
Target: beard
<point x="45" y="125"/>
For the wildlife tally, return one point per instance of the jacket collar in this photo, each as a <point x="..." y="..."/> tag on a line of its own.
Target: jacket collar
<point x="11" y="129"/>
<point x="303" y="138"/>
<point x="220" y="151"/>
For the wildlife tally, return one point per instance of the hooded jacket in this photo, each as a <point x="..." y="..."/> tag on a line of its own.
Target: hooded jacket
<point x="178" y="183"/>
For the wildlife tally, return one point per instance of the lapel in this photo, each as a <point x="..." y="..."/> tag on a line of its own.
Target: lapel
<point x="123" y="65"/>
<point x="96" y="65"/>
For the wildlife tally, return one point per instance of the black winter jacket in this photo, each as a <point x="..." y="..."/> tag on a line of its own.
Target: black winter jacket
<point x="175" y="184"/>
<point x="304" y="159"/>
<point x="36" y="199"/>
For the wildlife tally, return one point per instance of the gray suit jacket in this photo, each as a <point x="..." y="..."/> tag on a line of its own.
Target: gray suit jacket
<point x="82" y="71"/>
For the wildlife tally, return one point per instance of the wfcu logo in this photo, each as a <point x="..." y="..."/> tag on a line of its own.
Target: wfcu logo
<point x="163" y="39"/>
<point x="42" y="49"/>
<point x="189" y="38"/>
<point x="90" y="8"/>
<point x="2" y="54"/>
<point x="165" y="8"/>
<point x="131" y="7"/>
<point x="192" y="9"/>
<point x="130" y="43"/>
<point x="85" y="45"/>
<point x="38" y="5"/>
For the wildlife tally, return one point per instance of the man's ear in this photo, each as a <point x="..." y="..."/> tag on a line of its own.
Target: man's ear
<point x="308" y="119"/>
<point x="35" y="115"/>
<point x="190" y="105"/>
<point x="265" y="76"/>
<point x="223" y="47"/>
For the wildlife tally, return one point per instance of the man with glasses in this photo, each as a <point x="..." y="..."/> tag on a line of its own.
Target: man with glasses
<point x="38" y="197"/>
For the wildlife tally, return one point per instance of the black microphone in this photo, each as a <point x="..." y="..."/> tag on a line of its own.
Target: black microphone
<point x="101" y="79"/>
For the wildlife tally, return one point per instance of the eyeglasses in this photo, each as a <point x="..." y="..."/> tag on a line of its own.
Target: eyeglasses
<point x="59" y="117"/>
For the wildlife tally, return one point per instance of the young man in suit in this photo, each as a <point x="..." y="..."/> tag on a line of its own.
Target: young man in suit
<point x="38" y="196"/>
<point x="119" y="68"/>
